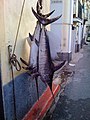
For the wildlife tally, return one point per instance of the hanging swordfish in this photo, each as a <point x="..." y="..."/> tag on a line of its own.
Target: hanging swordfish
<point x="45" y="65"/>
<point x="32" y="64"/>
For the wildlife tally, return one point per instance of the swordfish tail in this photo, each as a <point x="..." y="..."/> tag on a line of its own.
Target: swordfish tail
<point x="43" y="20"/>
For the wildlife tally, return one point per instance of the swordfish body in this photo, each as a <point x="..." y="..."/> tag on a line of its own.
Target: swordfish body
<point x="34" y="49"/>
<point x="45" y="65"/>
<point x="46" y="68"/>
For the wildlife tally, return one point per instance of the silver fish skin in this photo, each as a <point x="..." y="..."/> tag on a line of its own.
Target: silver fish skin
<point x="34" y="47"/>
<point x="45" y="63"/>
<point x="45" y="66"/>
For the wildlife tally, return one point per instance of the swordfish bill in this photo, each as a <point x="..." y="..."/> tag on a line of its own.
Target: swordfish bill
<point x="46" y="15"/>
<point x="43" y="20"/>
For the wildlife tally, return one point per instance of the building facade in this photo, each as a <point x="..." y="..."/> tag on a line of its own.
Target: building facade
<point x="67" y="36"/>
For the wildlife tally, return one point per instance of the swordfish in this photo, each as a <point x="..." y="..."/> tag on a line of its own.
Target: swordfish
<point x="34" y="49"/>
<point x="45" y="66"/>
<point x="32" y="65"/>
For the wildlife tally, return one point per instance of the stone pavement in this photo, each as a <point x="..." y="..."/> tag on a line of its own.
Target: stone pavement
<point x="74" y="102"/>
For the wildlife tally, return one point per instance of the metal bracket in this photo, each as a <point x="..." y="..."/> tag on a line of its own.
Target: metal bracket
<point x="9" y="52"/>
<point x="13" y="59"/>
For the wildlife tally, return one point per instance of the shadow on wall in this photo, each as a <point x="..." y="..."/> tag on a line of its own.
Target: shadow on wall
<point x="26" y="95"/>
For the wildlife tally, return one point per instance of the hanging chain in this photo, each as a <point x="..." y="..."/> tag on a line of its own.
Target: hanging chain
<point x="13" y="59"/>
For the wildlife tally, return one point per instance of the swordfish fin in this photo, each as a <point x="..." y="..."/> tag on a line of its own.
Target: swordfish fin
<point x="37" y="42"/>
<point x="47" y="15"/>
<point x="50" y="86"/>
<point x="31" y="37"/>
<point x="59" y="65"/>
<point x="23" y="61"/>
<point x="43" y="20"/>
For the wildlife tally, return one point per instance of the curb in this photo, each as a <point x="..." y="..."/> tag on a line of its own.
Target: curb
<point x="40" y="108"/>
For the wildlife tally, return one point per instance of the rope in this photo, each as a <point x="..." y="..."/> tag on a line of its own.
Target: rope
<point x="14" y="62"/>
<point x="13" y="58"/>
<point x="18" y="26"/>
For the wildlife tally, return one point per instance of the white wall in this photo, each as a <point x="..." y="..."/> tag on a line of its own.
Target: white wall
<point x="73" y="41"/>
<point x="9" y="19"/>
<point x="11" y="15"/>
<point x="80" y="34"/>
<point x="56" y="27"/>
<point x="67" y="25"/>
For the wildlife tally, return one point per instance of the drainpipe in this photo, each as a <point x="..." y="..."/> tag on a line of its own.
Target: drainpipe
<point x="67" y="21"/>
<point x="80" y="35"/>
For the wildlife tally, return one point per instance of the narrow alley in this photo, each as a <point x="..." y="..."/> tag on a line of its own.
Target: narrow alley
<point x="44" y="60"/>
<point x="74" y="103"/>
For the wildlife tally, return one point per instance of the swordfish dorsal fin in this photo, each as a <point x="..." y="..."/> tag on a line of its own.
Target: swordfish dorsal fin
<point x="31" y="37"/>
<point x="58" y="65"/>
<point x="43" y="20"/>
